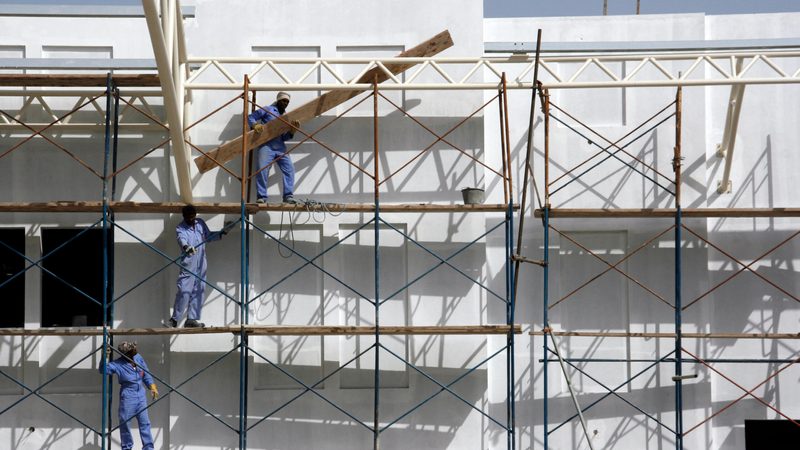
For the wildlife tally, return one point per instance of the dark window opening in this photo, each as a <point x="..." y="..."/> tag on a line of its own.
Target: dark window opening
<point x="12" y="282"/>
<point x="771" y="434"/>
<point x="78" y="270"/>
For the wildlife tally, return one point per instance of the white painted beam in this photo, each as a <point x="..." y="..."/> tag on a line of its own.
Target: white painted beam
<point x="171" y="104"/>
<point x="725" y="148"/>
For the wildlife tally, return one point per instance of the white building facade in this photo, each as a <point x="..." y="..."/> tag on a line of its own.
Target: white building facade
<point x="466" y="252"/>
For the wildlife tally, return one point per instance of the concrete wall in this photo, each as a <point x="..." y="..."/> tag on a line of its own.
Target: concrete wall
<point x="765" y="157"/>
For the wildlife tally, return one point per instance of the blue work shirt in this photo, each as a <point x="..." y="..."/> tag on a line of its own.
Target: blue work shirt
<point x="263" y="116"/>
<point x="130" y="378"/>
<point x="195" y="235"/>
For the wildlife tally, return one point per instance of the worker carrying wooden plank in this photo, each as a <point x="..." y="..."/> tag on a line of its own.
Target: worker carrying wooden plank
<point x="274" y="150"/>
<point x="318" y="106"/>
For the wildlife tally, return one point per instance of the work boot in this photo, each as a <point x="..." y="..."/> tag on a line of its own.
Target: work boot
<point x="191" y="323"/>
<point x="261" y="200"/>
<point x="171" y="323"/>
<point x="289" y="199"/>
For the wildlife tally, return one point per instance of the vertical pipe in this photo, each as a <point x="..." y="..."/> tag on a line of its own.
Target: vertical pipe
<point x="546" y="111"/>
<point x="528" y="154"/>
<point x="546" y="256"/>
<point x="246" y="175"/>
<point x="678" y="310"/>
<point x="545" y="319"/>
<point x="508" y="144"/>
<point x="105" y="398"/>
<point x="376" y="435"/>
<point x="243" y="341"/>
<point x="111" y="249"/>
<point x="510" y="368"/>
<point x="503" y="144"/>
<point x="510" y="294"/>
<point x="115" y="146"/>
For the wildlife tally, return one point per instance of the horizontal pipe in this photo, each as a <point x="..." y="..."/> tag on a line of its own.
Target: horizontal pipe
<point x="669" y="335"/>
<point x="493" y="85"/>
<point x="672" y="360"/>
<point x="25" y="93"/>
<point x="496" y="59"/>
<point x="273" y="330"/>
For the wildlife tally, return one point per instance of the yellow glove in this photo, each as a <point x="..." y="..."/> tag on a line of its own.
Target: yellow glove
<point x="154" y="391"/>
<point x="258" y="128"/>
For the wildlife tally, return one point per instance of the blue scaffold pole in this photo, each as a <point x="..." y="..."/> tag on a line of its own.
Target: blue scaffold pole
<point x="545" y="320"/>
<point x="376" y="420"/>
<point x="511" y="295"/>
<point x="105" y="397"/>
<point x="676" y="164"/>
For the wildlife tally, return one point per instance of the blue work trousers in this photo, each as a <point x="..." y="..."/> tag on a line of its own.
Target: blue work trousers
<point x="127" y="410"/>
<point x="265" y="156"/>
<point x="191" y="289"/>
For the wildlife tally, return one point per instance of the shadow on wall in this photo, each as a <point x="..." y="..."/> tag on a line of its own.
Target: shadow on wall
<point x="78" y="177"/>
<point x="438" y="175"/>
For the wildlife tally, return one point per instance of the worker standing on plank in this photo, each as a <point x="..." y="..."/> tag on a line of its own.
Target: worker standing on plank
<point x="133" y="376"/>
<point x="193" y="235"/>
<point x="274" y="150"/>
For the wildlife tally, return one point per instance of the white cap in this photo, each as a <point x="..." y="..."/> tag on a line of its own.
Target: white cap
<point x="282" y="95"/>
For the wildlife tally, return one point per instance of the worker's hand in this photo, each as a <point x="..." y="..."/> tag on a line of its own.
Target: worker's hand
<point x="296" y="124"/>
<point x="154" y="391"/>
<point x="227" y="227"/>
<point x="258" y="128"/>
<point x="109" y="352"/>
<point x="189" y="250"/>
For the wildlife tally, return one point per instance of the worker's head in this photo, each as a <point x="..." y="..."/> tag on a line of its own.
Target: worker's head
<point x="189" y="214"/>
<point x="128" y="349"/>
<point x="282" y="101"/>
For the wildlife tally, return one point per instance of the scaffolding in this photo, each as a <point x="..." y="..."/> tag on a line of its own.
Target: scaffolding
<point x="108" y="207"/>
<point x="684" y="235"/>
<point x="613" y="150"/>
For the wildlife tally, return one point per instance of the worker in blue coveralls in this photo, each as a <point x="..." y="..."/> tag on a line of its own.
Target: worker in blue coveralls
<point x="193" y="235"/>
<point x="134" y="377"/>
<point x="274" y="150"/>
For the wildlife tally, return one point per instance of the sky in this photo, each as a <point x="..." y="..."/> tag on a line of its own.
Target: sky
<point x="533" y="8"/>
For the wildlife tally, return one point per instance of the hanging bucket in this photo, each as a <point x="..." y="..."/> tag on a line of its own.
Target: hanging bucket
<point x="472" y="196"/>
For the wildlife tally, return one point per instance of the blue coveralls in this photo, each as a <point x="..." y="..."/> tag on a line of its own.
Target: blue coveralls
<point x="192" y="279"/>
<point x="271" y="151"/>
<point x="132" y="398"/>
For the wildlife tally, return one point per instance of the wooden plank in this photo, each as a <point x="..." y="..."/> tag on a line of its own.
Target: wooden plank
<point x="235" y="208"/>
<point x="61" y="80"/>
<point x="387" y="330"/>
<point x="670" y="212"/>
<point x="271" y="330"/>
<point x="321" y="104"/>
<point x="669" y="335"/>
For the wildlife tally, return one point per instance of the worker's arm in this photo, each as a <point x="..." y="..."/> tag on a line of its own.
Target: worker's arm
<point x="209" y="235"/>
<point x="261" y="116"/>
<point x="290" y="134"/>
<point x="107" y="367"/>
<point x="183" y="240"/>
<point x="147" y="378"/>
